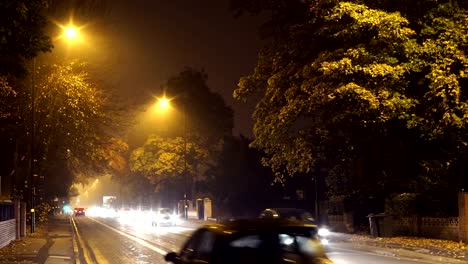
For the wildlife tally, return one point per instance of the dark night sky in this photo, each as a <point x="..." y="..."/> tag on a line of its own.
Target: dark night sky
<point x="153" y="40"/>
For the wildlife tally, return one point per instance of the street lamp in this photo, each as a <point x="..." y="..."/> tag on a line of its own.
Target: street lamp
<point x="72" y="34"/>
<point x="164" y="104"/>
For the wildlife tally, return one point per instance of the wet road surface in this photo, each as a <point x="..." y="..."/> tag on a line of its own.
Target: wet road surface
<point x="110" y="241"/>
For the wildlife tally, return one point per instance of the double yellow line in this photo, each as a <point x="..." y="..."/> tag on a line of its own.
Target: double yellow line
<point x="79" y="244"/>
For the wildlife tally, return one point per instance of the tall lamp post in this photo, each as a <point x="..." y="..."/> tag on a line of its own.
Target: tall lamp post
<point x="71" y="34"/>
<point x="164" y="103"/>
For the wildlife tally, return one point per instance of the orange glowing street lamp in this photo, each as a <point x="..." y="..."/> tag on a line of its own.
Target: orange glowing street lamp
<point x="164" y="103"/>
<point x="71" y="32"/>
<point x="72" y="35"/>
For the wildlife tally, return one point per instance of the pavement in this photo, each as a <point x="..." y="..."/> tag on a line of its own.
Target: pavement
<point x="54" y="242"/>
<point x="422" y="249"/>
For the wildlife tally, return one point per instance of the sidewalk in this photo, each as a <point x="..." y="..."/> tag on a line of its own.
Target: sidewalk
<point x="410" y="247"/>
<point x="51" y="243"/>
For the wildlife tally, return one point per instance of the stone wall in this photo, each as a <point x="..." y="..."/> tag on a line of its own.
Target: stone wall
<point x="431" y="227"/>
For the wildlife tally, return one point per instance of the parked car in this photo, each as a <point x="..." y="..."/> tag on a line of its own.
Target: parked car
<point x="79" y="212"/>
<point x="252" y="241"/>
<point x="296" y="214"/>
<point x="164" y="216"/>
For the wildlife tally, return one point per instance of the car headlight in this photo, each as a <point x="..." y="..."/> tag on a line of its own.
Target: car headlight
<point x="323" y="232"/>
<point x="324" y="241"/>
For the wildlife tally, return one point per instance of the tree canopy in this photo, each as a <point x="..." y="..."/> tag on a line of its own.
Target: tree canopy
<point x="72" y="127"/>
<point x="373" y="92"/>
<point x="195" y="138"/>
<point x="22" y="34"/>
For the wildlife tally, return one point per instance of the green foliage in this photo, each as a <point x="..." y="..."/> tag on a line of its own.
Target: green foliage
<point x="6" y="95"/>
<point x="207" y="115"/>
<point x="22" y="34"/>
<point x="366" y="93"/>
<point x="72" y="127"/>
<point x="162" y="159"/>
<point x="203" y="121"/>
<point x="43" y="211"/>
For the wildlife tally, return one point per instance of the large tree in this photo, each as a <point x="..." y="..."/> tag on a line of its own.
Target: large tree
<point x="163" y="159"/>
<point x="202" y="121"/>
<point x="22" y="34"/>
<point x="72" y="127"/>
<point x="376" y="98"/>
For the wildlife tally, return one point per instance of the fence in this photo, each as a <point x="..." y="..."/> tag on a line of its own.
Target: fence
<point x="7" y="224"/>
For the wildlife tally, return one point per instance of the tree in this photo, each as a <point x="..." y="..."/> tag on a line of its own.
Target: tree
<point x="73" y="136"/>
<point x="22" y="34"/>
<point x="165" y="159"/>
<point x="237" y="179"/>
<point x="364" y="93"/>
<point x="203" y="121"/>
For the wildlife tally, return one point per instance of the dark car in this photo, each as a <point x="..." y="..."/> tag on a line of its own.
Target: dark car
<point x="79" y="212"/>
<point x="296" y="214"/>
<point x="252" y="241"/>
<point x="287" y="213"/>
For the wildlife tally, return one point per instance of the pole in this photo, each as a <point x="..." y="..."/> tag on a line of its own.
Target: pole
<point x="31" y="158"/>
<point x="316" y="200"/>
<point x="185" y="160"/>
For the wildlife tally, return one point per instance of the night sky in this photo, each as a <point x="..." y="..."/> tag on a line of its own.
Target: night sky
<point x="150" y="41"/>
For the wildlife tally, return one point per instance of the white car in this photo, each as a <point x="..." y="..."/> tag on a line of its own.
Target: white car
<point x="165" y="217"/>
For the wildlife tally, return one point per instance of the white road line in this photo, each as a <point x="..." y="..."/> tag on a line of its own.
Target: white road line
<point x="138" y="240"/>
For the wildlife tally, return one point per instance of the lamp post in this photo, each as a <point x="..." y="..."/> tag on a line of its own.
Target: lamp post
<point x="71" y="34"/>
<point x="163" y="104"/>
<point x="31" y="158"/>
<point x="185" y="161"/>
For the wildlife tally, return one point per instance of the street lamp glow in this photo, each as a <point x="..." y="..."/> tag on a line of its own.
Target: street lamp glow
<point x="71" y="32"/>
<point x="164" y="103"/>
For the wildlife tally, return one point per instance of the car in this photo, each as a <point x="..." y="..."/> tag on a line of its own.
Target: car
<point x="296" y="214"/>
<point x="287" y="213"/>
<point x="79" y="212"/>
<point x="164" y="217"/>
<point x="252" y="241"/>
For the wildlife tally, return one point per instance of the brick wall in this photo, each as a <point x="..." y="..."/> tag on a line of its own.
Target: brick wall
<point x="431" y="227"/>
<point x="7" y="232"/>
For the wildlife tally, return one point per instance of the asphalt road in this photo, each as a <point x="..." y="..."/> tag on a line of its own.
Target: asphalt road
<point x="110" y="241"/>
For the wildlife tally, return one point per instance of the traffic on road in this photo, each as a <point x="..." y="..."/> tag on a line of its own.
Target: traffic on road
<point x="128" y="238"/>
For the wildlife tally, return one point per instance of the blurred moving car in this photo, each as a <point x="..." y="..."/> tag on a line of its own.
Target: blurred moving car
<point x="165" y="216"/>
<point x="287" y="213"/>
<point x="296" y="214"/>
<point x="252" y="241"/>
<point x="79" y="212"/>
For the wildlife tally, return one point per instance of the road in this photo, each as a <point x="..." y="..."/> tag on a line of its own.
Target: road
<point x="109" y="241"/>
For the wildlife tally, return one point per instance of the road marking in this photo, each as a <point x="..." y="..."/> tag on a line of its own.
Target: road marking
<point x="75" y="246"/>
<point x="379" y="255"/>
<point x="86" y="255"/>
<point x="136" y="239"/>
<point x="58" y="257"/>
